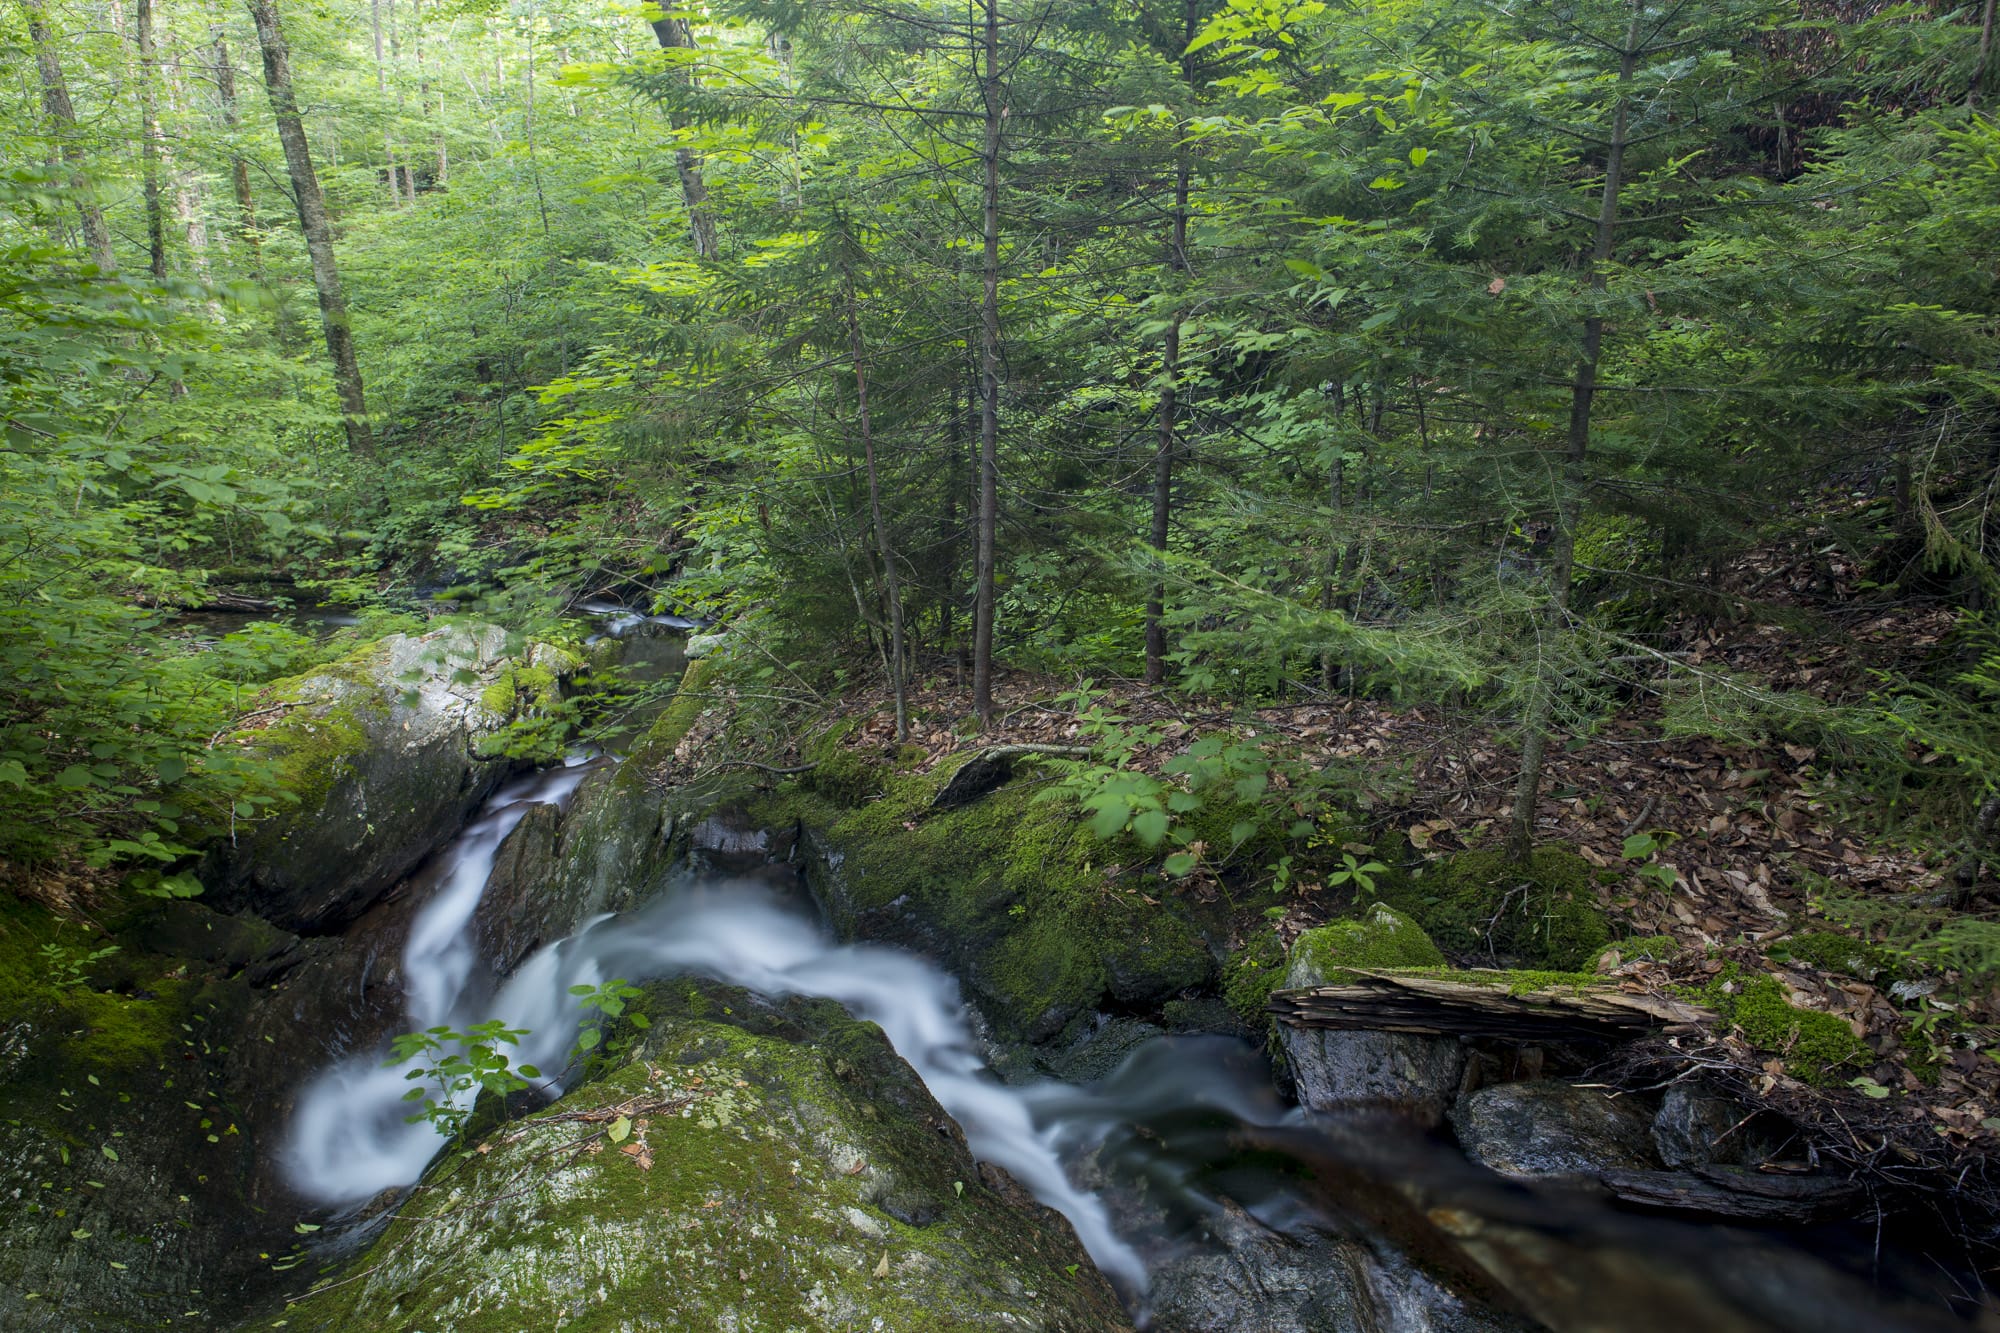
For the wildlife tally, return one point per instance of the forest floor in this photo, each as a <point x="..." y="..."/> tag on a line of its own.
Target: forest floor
<point x="1763" y="843"/>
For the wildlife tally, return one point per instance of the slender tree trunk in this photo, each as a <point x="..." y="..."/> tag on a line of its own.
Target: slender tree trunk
<point x="62" y="127"/>
<point x="150" y="143"/>
<point x="239" y="166"/>
<point x="316" y="226"/>
<point x="1583" y="391"/>
<point x="675" y="35"/>
<point x="898" y="655"/>
<point x="988" y="518"/>
<point x="432" y="110"/>
<point x="1985" y="65"/>
<point x="1170" y="366"/>
<point x="190" y="195"/>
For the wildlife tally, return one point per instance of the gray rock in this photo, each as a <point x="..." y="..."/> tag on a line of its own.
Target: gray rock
<point x="1399" y="1072"/>
<point x="1405" y="1073"/>
<point x="378" y="750"/>
<point x="1691" y="1126"/>
<point x="782" y="1169"/>
<point x="1548" y="1128"/>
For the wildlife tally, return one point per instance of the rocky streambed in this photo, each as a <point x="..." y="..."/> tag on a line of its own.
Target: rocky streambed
<point x="760" y="1156"/>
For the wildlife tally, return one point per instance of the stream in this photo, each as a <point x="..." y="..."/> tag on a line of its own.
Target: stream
<point x="1179" y="1113"/>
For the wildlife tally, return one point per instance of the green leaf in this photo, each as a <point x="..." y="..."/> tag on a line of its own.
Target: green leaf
<point x="1150" y="826"/>
<point x="73" y="778"/>
<point x="171" y="770"/>
<point x="1179" y="864"/>
<point x="620" y="1130"/>
<point x="1418" y="155"/>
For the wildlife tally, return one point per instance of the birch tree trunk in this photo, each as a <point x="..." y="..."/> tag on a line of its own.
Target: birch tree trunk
<point x="316" y="226"/>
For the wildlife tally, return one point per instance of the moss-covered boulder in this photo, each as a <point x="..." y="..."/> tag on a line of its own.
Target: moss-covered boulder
<point x="756" y="1168"/>
<point x="378" y="766"/>
<point x="125" y="1157"/>
<point x="1380" y="937"/>
<point x="1540" y="914"/>
<point x="1041" y="921"/>
<point x="1405" y="1073"/>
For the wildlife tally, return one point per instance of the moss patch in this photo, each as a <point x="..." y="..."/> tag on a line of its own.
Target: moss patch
<point x="1830" y="951"/>
<point x="1380" y="937"/>
<point x="1034" y="913"/>
<point x="1815" y="1046"/>
<point x="1542" y="915"/>
<point x="1250" y="975"/>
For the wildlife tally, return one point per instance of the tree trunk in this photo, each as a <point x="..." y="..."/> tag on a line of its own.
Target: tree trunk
<point x="1985" y="65"/>
<point x="988" y="518"/>
<point x="62" y="127"/>
<point x="190" y="209"/>
<point x="898" y="656"/>
<point x="1170" y="366"/>
<point x="239" y="166"/>
<point x="1583" y="391"/>
<point x="675" y="35"/>
<point x="150" y="144"/>
<point x="316" y="226"/>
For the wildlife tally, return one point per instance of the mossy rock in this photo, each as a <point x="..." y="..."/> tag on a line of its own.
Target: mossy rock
<point x="783" y="1170"/>
<point x="1011" y="893"/>
<point x="374" y="755"/>
<point x="845" y="778"/>
<point x="124" y="1157"/>
<point x="1539" y="915"/>
<point x="1379" y="938"/>
<point x="1249" y="976"/>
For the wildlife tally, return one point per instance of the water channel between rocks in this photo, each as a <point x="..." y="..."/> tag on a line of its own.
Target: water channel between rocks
<point x="1181" y="1116"/>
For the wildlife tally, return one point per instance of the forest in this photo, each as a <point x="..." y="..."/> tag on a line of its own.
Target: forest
<point x="1471" y="526"/>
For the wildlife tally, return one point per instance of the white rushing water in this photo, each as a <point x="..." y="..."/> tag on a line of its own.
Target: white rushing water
<point x="352" y="1138"/>
<point x="349" y="1137"/>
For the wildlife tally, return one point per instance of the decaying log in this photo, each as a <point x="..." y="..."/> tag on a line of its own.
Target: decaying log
<point x="1738" y="1192"/>
<point x="1477" y="1003"/>
<point x="991" y="767"/>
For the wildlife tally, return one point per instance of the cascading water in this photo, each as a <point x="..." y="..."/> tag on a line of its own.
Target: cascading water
<point x="350" y="1138"/>
<point x="1176" y="1111"/>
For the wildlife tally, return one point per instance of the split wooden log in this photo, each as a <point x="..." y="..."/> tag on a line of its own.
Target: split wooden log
<point x="991" y="767"/>
<point x="1478" y="1003"/>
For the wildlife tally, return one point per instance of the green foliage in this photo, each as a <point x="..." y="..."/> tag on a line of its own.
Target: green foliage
<point x="452" y="1069"/>
<point x="611" y="1023"/>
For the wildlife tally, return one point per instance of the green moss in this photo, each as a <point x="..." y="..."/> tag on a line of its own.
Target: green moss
<point x="1380" y="937"/>
<point x="1543" y="914"/>
<point x="1024" y="902"/>
<point x="792" y="1180"/>
<point x="521" y="688"/>
<point x="1251" y="974"/>
<point x="1830" y="951"/>
<point x="1814" y="1046"/>
<point x="845" y="778"/>
<point x="315" y="748"/>
<point x="675" y="720"/>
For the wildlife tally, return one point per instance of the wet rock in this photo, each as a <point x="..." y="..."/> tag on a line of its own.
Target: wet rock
<point x="1406" y="1073"/>
<point x="757" y="1182"/>
<point x="517" y="915"/>
<point x="379" y="752"/>
<point x="1694" y="1128"/>
<point x="1548" y="1128"/>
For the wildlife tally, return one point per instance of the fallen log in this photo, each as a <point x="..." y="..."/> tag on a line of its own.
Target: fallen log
<point x="1480" y="1003"/>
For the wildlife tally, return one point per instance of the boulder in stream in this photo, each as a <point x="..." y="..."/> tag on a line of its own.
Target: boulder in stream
<point x="380" y="751"/>
<point x="1548" y="1128"/>
<point x="754" y="1167"/>
<point x="1336" y="1070"/>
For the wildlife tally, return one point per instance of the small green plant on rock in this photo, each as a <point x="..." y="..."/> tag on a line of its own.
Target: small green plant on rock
<point x="68" y="968"/>
<point x="451" y="1064"/>
<point x="596" y="1045"/>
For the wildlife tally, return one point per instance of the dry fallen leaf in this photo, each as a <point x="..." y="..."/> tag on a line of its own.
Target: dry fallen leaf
<point x="882" y="1269"/>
